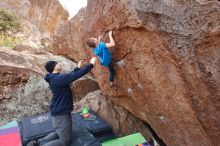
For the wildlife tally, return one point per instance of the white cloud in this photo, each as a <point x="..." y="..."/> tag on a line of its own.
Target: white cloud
<point x="73" y="6"/>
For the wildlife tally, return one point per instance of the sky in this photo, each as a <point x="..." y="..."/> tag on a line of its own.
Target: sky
<point x="73" y="6"/>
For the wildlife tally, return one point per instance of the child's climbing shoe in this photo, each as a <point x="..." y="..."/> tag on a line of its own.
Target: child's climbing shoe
<point x="111" y="84"/>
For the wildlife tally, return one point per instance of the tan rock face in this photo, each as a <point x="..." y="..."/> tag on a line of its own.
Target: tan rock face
<point x="30" y="35"/>
<point x="68" y="39"/>
<point x="46" y="15"/>
<point x="167" y="59"/>
<point x="83" y="86"/>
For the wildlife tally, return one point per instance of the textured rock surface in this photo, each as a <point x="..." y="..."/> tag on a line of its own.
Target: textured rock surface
<point x="68" y="39"/>
<point x="119" y="118"/>
<point x="25" y="94"/>
<point x="46" y="15"/>
<point x="167" y="58"/>
<point x="83" y="86"/>
<point x="30" y="35"/>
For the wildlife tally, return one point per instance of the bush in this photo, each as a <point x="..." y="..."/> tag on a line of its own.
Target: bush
<point x="9" y="23"/>
<point x="9" y="41"/>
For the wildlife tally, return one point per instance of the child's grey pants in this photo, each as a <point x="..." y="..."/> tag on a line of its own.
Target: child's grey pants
<point x="63" y="134"/>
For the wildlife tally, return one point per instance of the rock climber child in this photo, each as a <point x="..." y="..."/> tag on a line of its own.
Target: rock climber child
<point x="101" y="50"/>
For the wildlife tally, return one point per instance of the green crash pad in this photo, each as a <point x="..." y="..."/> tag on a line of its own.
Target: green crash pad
<point x="9" y="125"/>
<point x="130" y="140"/>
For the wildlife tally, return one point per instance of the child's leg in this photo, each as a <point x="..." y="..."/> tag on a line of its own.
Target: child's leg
<point x="111" y="71"/>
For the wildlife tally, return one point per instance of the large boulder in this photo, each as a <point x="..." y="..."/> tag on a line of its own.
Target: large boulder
<point x="167" y="60"/>
<point x="83" y="86"/>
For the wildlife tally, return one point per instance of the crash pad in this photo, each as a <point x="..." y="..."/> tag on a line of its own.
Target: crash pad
<point x="10" y="135"/>
<point x="130" y="140"/>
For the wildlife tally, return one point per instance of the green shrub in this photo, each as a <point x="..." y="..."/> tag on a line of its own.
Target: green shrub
<point x="9" y="41"/>
<point x="9" y="23"/>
